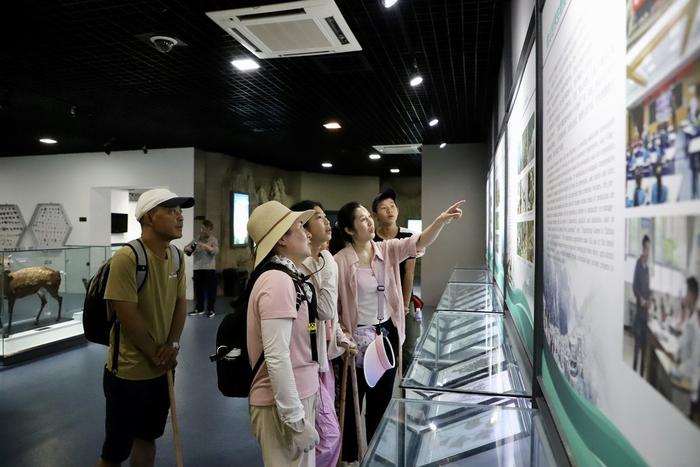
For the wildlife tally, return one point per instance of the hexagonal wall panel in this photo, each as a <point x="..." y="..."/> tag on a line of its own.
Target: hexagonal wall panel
<point x="12" y="226"/>
<point x="50" y="225"/>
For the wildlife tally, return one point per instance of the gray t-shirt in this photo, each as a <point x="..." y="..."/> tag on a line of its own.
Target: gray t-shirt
<point x="204" y="259"/>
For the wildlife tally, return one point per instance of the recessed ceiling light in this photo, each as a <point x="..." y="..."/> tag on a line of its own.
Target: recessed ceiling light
<point x="389" y="3"/>
<point x="245" y="64"/>
<point x="332" y="126"/>
<point x="433" y="122"/>
<point x="442" y="145"/>
<point x="326" y="165"/>
<point x="394" y="171"/>
<point x="375" y="157"/>
<point x="416" y="80"/>
<point x="48" y="141"/>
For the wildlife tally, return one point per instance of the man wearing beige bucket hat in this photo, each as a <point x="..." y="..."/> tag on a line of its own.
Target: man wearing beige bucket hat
<point x="283" y="393"/>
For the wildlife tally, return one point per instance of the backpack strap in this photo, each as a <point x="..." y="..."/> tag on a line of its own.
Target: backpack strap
<point x="139" y="250"/>
<point x="175" y="254"/>
<point x="300" y="298"/>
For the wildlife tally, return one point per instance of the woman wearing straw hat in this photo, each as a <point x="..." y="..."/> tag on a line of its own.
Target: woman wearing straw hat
<point x="283" y="392"/>
<point x="332" y="341"/>
<point x="370" y="301"/>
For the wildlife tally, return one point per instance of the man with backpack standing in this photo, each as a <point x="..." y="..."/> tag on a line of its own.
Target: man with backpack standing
<point x="144" y="342"/>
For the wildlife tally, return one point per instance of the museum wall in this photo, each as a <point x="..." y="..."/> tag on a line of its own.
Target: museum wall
<point x="456" y="172"/>
<point x="335" y="190"/>
<point x="217" y="175"/>
<point x="82" y="184"/>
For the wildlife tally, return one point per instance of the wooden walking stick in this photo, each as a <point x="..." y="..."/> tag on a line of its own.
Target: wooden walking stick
<point x="173" y="419"/>
<point x="343" y="391"/>
<point x="356" y="406"/>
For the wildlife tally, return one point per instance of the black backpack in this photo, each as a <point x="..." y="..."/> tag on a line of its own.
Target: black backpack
<point x="97" y="319"/>
<point x="233" y="371"/>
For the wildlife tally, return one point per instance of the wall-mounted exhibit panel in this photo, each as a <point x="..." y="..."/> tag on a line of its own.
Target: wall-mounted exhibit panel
<point x="42" y="295"/>
<point x="520" y="223"/>
<point x="489" y="221"/>
<point x="480" y="276"/>
<point x="622" y="355"/>
<point x="499" y="207"/>
<point x="459" y="296"/>
<point x="469" y="353"/>
<point x="422" y="433"/>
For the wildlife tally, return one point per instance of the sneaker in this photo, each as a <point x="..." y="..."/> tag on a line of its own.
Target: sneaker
<point x="210" y="314"/>
<point x="193" y="313"/>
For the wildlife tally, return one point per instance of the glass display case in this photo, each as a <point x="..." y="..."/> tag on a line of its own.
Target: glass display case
<point x="469" y="352"/>
<point x="42" y="295"/>
<point x="422" y="433"/>
<point x="469" y="398"/>
<point x="479" y="276"/>
<point x="459" y="296"/>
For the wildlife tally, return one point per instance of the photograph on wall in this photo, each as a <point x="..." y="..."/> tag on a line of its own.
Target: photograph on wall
<point x="662" y="319"/>
<point x="526" y="241"/>
<point x="527" y="143"/>
<point x="641" y="14"/>
<point x="663" y="112"/>
<point x="526" y="192"/>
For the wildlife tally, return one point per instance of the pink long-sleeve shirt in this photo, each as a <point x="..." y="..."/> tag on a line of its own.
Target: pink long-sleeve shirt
<point x="391" y="253"/>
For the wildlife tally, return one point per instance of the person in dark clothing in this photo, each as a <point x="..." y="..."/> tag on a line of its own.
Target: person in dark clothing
<point x="204" y="251"/>
<point x="640" y="287"/>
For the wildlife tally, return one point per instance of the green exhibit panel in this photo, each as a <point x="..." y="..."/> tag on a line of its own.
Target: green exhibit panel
<point x="620" y="356"/>
<point x="520" y="212"/>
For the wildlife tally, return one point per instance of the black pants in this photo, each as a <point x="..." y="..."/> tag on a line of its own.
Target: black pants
<point x="640" y="343"/>
<point x="205" y="283"/>
<point x="378" y="399"/>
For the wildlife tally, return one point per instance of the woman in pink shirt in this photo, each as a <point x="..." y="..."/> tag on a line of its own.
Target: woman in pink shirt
<point x="283" y="393"/>
<point x="363" y="304"/>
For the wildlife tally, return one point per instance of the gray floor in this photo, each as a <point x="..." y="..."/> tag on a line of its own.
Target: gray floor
<point x="52" y="409"/>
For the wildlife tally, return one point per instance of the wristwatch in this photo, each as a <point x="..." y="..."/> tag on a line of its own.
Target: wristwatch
<point x="176" y="345"/>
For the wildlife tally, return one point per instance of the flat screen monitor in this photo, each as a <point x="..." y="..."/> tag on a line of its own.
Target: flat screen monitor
<point x="120" y="223"/>
<point x="240" y="209"/>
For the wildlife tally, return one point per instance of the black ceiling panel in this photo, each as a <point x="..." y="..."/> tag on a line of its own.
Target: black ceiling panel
<point x="85" y="72"/>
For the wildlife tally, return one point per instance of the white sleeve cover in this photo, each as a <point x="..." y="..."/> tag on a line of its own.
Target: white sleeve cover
<point x="276" y="336"/>
<point x="327" y="295"/>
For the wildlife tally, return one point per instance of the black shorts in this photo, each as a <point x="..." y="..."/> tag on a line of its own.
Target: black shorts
<point x="135" y="410"/>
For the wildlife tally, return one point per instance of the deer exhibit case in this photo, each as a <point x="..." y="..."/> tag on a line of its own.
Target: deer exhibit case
<point x="42" y="296"/>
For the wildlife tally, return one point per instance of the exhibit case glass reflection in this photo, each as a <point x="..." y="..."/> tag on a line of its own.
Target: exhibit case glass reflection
<point x="470" y="297"/>
<point x="479" y="276"/>
<point x="422" y="433"/>
<point x="469" y="352"/>
<point x="42" y="295"/>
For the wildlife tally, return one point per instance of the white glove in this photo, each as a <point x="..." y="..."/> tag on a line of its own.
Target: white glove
<point x="304" y="438"/>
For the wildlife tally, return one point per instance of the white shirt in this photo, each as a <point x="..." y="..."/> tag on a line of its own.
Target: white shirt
<point x="689" y="353"/>
<point x="368" y="298"/>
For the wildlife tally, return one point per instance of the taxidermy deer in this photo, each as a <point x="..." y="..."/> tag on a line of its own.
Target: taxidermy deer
<point x="28" y="281"/>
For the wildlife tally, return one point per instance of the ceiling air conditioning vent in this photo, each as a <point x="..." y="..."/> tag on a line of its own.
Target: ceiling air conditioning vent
<point x="309" y="27"/>
<point x="398" y="148"/>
